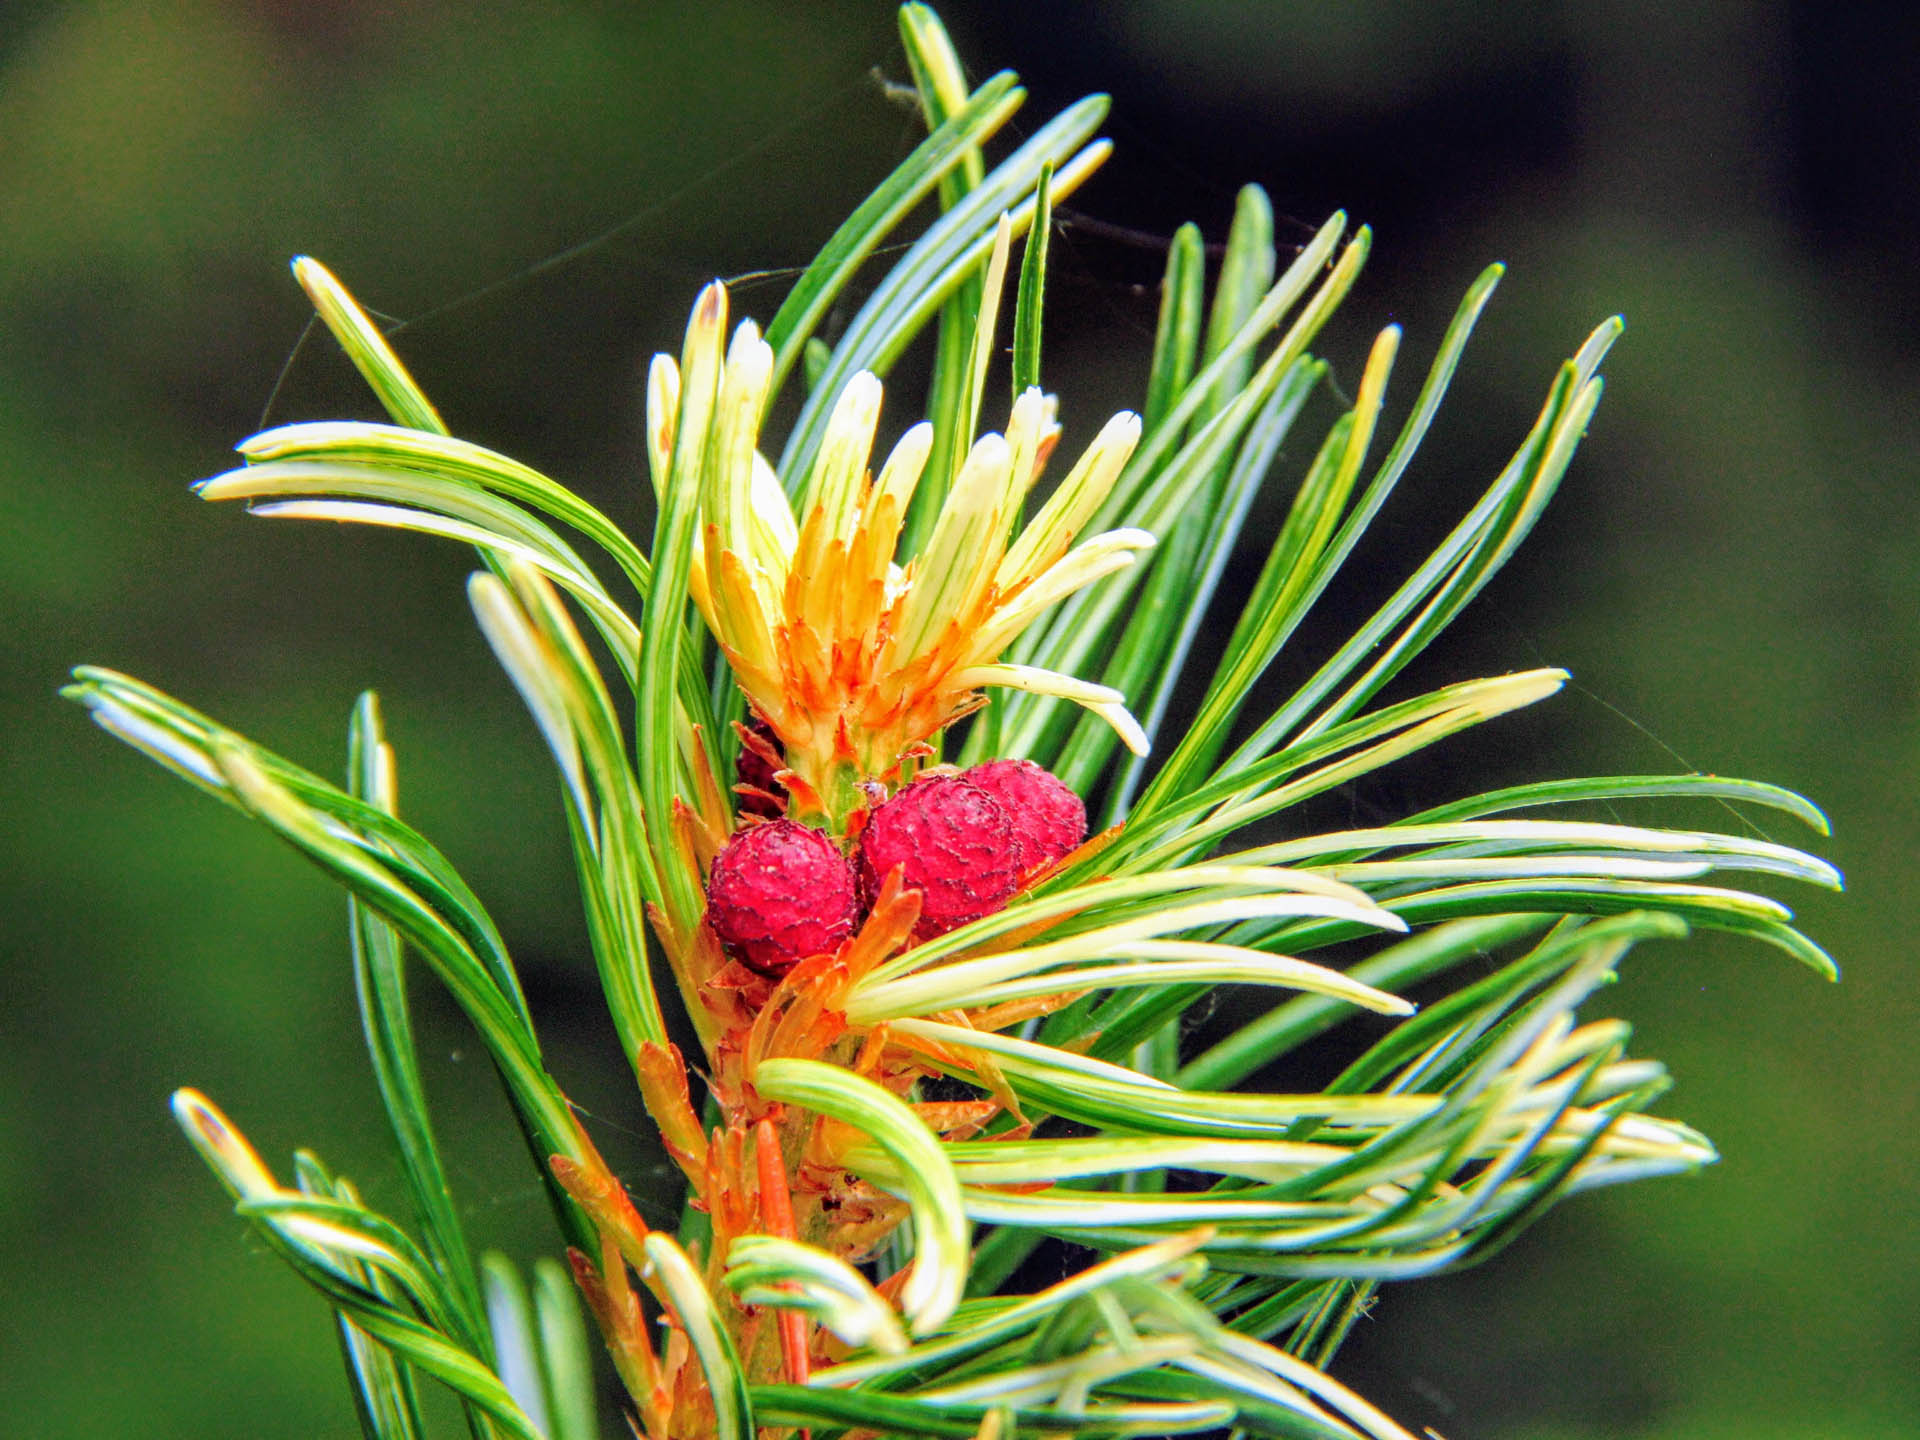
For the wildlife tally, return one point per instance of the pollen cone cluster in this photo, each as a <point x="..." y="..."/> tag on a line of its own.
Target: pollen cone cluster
<point x="850" y="655"/>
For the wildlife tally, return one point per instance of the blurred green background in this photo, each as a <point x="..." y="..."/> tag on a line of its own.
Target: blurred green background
<point x="1729" y="572"/>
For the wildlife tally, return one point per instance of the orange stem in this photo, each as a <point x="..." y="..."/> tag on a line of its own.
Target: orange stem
<point x="776" y="1213"/>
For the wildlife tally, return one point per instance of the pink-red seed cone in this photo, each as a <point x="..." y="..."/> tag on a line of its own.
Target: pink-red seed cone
<point x="751" y="768"/>
<point x="1048" y="819"/>
<point x="780" y="892"/>
<point x="955" y="844"/>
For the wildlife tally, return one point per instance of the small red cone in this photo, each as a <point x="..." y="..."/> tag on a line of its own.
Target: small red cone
<point x="780" y="892"/>
<point x="955" y="845"/>
<point x="1048" y="819"/>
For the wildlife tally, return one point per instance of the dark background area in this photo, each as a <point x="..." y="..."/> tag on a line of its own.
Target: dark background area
<point x="1729" y="573"/>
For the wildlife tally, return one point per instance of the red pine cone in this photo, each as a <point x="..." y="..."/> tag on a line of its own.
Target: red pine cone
<point x="955" y="844"/>
<point x="778" y="893"/>
<point x="751" y="767"/>
<point x="1048" y="819"/>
